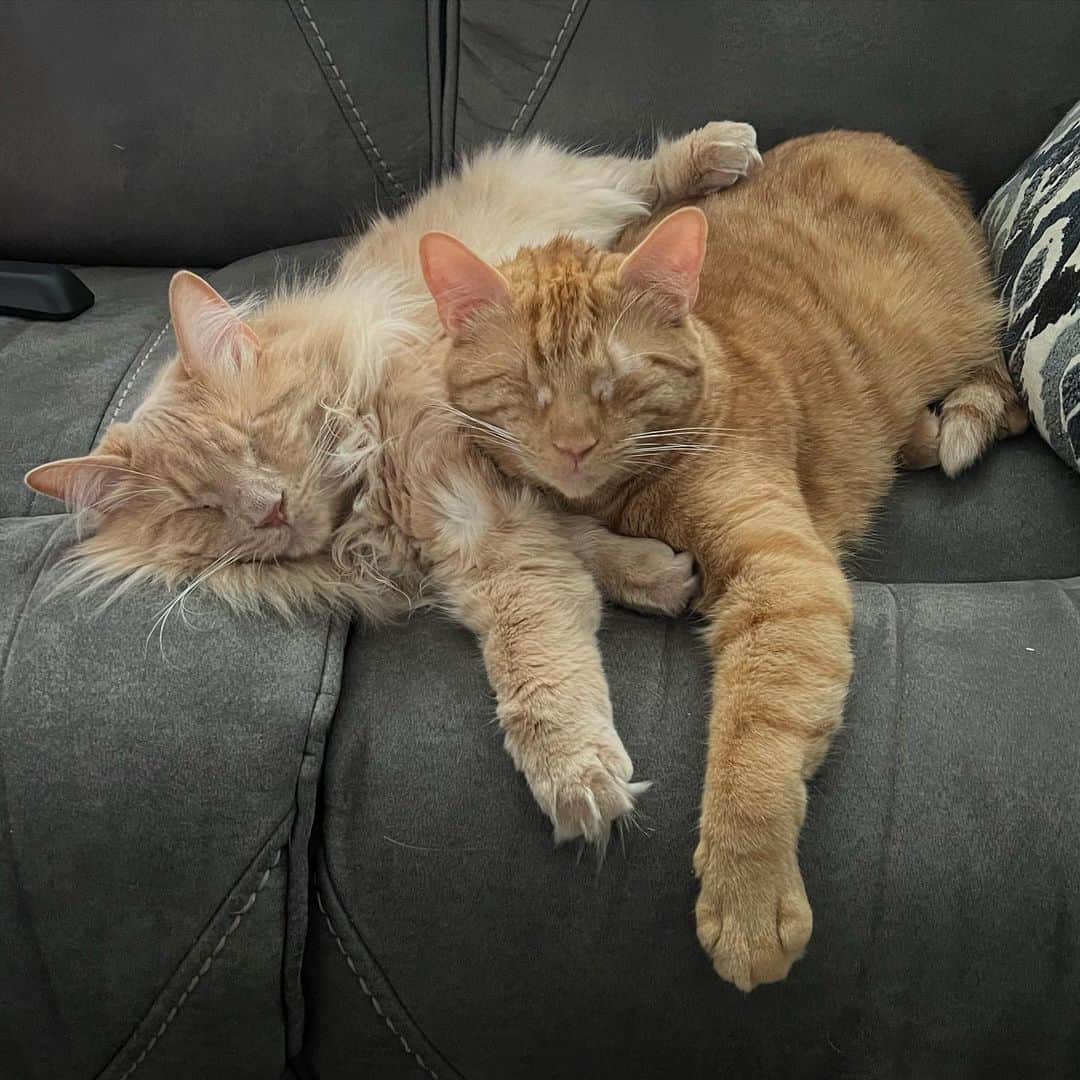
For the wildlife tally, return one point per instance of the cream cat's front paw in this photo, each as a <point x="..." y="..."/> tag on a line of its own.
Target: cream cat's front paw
<point x="656" y="579"/>
<point x="754" y="921"/>
<point x="584" y="788"/>
<point x="706" y="160"/>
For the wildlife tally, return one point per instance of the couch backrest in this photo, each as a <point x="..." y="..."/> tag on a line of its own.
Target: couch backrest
<point x="166" y="133"/>
<point x="976" y="86"/>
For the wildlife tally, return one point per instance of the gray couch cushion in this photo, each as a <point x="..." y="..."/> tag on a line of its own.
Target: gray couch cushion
<point x="155" y="806"/>
<point x="157" y="133"/>
<point x="1014" y="516"/>
<point x="938" y="854"/>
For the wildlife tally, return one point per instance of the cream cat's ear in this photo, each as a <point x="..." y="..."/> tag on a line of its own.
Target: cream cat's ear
<point x="85" y="482"/>
<point x="459" y="280"/>
<point x="667" y="263"/>
<point x="213" y="340"/>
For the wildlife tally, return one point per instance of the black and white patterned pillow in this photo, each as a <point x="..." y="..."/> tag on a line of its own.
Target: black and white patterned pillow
<point x="1033" y="223"/>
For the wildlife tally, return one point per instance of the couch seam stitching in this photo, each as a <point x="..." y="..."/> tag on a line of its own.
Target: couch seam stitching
<point x="204" y="968"/>
<point x="367" y="990"/>
<point x="321" y="692"/>
<point x="547" y="67"/>
<point x="135" y="373"/>
<point x="352" y="104"/>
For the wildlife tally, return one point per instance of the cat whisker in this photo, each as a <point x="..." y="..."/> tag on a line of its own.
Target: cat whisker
<point x="480" y="433"/>
<point x="131" y="472"/>
<point x="664" y="448"/>
<point x="328" y="438"/>
<point x="492" y="429"/>
<point x="675" y="432"/>
<point x="162" y="617"/>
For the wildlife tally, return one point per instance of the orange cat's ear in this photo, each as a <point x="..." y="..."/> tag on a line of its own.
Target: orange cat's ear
<point x="667" y="263"/>
<point x="213" y="340"/>
<point x="85" y="482"/>
<point x="460" y="281"/>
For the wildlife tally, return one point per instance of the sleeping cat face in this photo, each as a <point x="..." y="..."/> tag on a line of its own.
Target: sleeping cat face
<point x="572" y="366"/>
<point x="225" y="459"/>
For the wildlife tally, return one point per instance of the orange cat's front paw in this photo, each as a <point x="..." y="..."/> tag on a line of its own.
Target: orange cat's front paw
<point x="753" y="922"/>
<point x="657" y="579"/>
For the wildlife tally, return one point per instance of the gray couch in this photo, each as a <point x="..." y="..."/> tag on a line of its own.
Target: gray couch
<point x="248" y="850"/>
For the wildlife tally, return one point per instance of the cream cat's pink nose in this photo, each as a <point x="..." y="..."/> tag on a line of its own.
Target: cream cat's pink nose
<point x="576" y="449"/>
<point x="277" y="515"/>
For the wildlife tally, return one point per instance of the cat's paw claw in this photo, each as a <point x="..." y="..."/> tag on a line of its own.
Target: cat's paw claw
<point x="753" y="927"/>
<point x="585" y="791"/>
<point x="661" y="581"/>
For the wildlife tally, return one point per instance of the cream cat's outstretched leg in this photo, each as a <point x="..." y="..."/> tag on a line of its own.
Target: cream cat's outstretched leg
<point x="505" y="567"/>
<point x="704" y="161"/>
<point x="521" y="194"/>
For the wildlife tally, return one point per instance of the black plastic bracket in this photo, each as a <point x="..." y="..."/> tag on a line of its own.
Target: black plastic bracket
<point x="41" y="291"/>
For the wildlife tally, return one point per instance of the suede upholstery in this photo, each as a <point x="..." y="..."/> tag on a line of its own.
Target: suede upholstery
<point x="251" y="850"/>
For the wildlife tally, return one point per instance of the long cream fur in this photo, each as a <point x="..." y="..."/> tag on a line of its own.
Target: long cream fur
<point x="324" y="408"/>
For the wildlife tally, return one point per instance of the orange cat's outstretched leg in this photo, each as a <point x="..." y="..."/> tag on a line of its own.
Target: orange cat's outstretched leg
<point x="781" y="615"/>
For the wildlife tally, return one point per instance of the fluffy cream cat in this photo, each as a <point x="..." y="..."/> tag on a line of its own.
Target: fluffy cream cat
<point x="303" y="452"/>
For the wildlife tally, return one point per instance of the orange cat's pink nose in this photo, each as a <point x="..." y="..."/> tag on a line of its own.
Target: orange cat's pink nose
<point x="575" y="448"/>
<point x="277" y="515"/>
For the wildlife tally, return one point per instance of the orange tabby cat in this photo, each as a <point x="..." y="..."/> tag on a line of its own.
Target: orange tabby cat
<point x="747" y="403"/>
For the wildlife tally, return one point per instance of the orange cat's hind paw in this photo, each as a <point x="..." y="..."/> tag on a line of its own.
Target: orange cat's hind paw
<point x="976" y="414"/>
<point x="921" y="451"/>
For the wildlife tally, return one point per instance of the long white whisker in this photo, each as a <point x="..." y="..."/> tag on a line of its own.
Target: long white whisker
<point x="665" y="448"/>
<point x="680" y="431"/>
<point x="163" y="616"/>
<point x="493" y="429"/>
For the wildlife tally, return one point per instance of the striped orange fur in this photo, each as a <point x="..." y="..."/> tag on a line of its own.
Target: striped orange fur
<point x="845" y="287"/>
